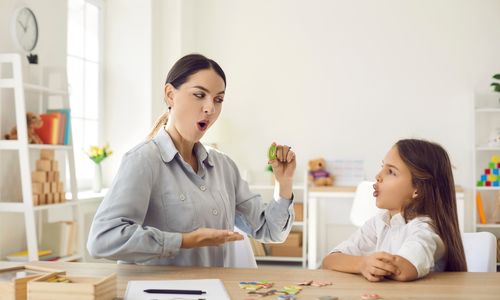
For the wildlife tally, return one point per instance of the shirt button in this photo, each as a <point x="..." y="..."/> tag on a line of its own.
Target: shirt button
<point x="215" y="212"/>
<point x="182" y="197"/>
<point x="203" y="188"/>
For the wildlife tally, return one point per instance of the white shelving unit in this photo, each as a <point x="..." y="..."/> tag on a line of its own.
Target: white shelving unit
<point x="486" y="119"/>
<point x="33" y="213"/>
<point x="299" y="194"/>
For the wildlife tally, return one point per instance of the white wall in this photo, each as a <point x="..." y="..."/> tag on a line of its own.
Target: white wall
<point x="346" y="79"/>
<point x="338" y="79"/>
<point x="51" y="49"/>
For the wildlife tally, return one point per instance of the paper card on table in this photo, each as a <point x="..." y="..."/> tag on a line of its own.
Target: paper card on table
<point x="214" y="289"/>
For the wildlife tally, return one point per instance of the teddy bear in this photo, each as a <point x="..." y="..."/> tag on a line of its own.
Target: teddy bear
<point x="33" y="121"/>
<point x="318" y="175"/>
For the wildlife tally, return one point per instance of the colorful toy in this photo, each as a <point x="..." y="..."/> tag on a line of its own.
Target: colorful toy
<point x="318" y="175"/>
<point x="491" y="175"/>
<point x="271" y="153"/>
<point x="33" y="122"/>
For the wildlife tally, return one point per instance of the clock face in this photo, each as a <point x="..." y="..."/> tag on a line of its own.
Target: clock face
<point x="26" y="29"/>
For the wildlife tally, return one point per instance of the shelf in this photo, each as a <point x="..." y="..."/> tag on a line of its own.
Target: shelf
<point x="50" y="147"/>
<point x="488" y="225"/>
<point x="488" y="188"/>
<point x="19" y="206"/>
<point x="488" y="110"/>
<point x="39" y="88"/>
<point x="9" y="145"/>
<point x="487" y="148"/>
<point x="7" y="83"/>
<point x="278" y="258"/>
<point x="16" y="145"/>
<point x="300" y="223"/>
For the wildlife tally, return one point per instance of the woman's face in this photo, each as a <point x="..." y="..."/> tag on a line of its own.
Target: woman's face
<point x="394" y="188"/>
<point x="196" y="104"/>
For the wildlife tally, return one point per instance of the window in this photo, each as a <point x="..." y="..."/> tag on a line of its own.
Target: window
<point x="84" y="66"/>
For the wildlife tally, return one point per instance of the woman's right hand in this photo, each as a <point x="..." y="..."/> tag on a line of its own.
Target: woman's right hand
<point x="208" y="237"/>
<point x="376" y="266"/>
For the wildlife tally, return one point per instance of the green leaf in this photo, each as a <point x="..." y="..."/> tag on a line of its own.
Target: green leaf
<point x="496" y="86"/>
<point x="496" y="76"/>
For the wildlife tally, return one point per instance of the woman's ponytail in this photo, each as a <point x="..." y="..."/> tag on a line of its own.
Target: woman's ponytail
<point x="162" y="120"/>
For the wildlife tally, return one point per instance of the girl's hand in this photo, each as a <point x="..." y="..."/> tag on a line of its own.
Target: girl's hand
<point x="376" y="266"/>
<point x="202" y="237"/>
<point x="284" y="168"/>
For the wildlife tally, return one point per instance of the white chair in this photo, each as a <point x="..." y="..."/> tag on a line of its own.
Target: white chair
<point x="480" y="251"/>
<point x="363" y="205"/>
<point x="243" y="256"/>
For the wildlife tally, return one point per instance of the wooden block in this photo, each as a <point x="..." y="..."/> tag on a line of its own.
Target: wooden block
<point x="49" y="199"/>
<point x="55" y="165"/>
<point x="44" y="165"/>
<point x="56" y="197"/>
<point x="298" y="208"/>
<point x="294" y="239"/>
<point x="61" y="187"/>
<point x="62" y="197"/>
<point x="36" y="199"/>
<point x="38" y="176"/>
<point x="56" y="176"/>
<point x="50" y="176"/>
<point x="281" y="250"/>
<point x="14" y="283"/>
<point x="47" y="154"/>
<point x="54" y="187"/>
<point x="37" y="188"/>
<point x="46" y="188"/>
<point x="78" y="287"/>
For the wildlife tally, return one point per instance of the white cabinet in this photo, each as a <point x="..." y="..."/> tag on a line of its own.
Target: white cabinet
<point x="14" y="89"/>
<point x="267" y="192"/>
<point x="486" y="165"/>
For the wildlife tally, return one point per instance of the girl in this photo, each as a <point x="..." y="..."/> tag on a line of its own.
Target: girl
<point x="419" y="231"/>
<point x="173" y="197"/>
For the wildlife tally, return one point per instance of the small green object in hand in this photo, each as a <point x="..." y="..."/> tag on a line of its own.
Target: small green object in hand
<point x="271" y="154"/>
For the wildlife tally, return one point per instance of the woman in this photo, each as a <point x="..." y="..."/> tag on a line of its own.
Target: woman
<point x="175" y="201"/>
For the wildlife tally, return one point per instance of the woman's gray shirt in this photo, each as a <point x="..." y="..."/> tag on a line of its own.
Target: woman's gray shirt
<point x="156" y="196"/>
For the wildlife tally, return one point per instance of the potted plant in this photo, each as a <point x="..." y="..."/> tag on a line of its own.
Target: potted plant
<point x="496" y="85"/>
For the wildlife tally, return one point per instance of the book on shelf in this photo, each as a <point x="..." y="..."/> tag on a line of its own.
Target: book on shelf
<point x="65" y="129"/>
<point x="55" y="128"/>
<point x="480" y="208"/>
<point x="67" y="238"/>
<point x="22" y="256"/>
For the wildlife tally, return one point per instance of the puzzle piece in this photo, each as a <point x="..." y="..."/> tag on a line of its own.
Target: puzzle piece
<point x="255" y="285"/>
<point x="290" y="290"/>
<point x="370" y="297"/>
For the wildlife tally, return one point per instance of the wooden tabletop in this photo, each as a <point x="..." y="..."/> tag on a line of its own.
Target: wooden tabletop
<point x="345" y="286"/>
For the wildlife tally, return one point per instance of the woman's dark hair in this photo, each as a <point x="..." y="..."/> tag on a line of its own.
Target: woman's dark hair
<point x="179" y="74"/>
<point x="432" y="177"/>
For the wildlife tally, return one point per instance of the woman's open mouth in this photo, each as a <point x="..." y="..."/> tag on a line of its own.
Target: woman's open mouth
<point x="202" y="125"/>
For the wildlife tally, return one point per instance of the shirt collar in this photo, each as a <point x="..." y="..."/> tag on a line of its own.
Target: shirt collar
<point x="168" y="150"/>
<point x="396" y="220"/>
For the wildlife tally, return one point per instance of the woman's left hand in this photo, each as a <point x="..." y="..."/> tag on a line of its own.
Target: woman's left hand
<point x="284" y="169"/>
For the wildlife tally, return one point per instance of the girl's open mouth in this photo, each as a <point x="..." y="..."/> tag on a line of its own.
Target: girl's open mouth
<point x="202" y="125"/>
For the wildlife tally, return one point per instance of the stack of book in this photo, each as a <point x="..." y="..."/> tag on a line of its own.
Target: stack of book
<point x="55" y="128"/>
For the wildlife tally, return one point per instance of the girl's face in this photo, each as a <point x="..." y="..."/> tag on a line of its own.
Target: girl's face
<point x="196" y="104"/>
<point x="394" y="188"/>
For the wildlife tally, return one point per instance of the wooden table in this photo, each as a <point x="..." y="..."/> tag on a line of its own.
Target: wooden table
<point x="345" y="286"/>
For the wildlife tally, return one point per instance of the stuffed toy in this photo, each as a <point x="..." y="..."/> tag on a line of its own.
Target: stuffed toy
<point x="317" y="173"/>
<point x="33" y="121"/>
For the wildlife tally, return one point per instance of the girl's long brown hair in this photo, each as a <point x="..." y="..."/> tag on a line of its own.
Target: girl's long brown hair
<point x="432" y="177"/>
<point x="179" y="74"/>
